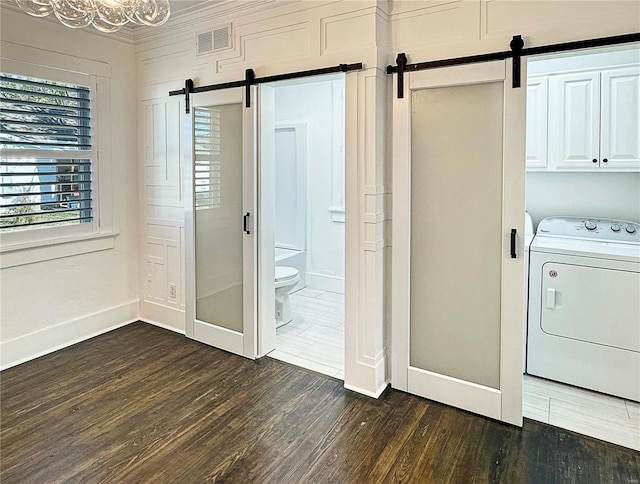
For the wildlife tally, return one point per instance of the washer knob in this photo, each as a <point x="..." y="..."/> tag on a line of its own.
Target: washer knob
<point x="590" y="225"/>
<point x="631" y="229"/>
<point x="615" y="228"/>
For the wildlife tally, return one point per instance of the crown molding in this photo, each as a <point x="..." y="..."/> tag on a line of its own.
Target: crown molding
<point x="181" y="21"/>
<point x="211" y="12"/>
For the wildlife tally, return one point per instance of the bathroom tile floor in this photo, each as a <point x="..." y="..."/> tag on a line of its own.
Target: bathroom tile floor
<point x="590" y="413"/>
<point x="315" y="338"/>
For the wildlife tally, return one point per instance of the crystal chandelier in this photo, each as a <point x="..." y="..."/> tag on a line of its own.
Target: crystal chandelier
<point x="104" y="15"/>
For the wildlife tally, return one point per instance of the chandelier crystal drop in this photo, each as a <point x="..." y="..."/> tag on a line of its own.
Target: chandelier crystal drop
<point x="104" y="15"/>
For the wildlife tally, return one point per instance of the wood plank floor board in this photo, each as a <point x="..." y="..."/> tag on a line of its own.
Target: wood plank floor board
<point x="142" y="404"/>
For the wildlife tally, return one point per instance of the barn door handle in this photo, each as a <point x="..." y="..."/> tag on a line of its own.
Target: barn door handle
<point x="245" y="223"/>
<point x="513" y="243"/>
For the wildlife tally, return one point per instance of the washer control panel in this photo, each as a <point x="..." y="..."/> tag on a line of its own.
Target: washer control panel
<point x="606" y="230"/>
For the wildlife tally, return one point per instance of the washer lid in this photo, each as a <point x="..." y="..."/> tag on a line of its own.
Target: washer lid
<point x="586" y="248"/>
<point x="283" y="273"/>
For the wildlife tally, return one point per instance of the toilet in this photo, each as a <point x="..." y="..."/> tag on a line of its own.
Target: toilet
<point x="286" y="279"/>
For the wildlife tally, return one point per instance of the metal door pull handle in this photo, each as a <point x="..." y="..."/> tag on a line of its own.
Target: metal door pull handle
<point x="513" y="243"/>
<point x="245" y="223"/>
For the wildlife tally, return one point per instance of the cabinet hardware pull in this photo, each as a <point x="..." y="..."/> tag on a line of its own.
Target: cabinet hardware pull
<point x="604" y="160"/>
<point x="513" y="243"/>
<point x="595" y="160"/>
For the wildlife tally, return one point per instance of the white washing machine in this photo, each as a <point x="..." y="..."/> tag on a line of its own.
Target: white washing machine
<point x="584" y="304"/>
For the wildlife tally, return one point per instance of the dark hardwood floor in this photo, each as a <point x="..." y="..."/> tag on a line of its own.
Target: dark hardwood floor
<point x="141" y="404"/>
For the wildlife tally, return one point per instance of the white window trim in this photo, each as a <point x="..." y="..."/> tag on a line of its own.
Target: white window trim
<point x="47" y="243"/>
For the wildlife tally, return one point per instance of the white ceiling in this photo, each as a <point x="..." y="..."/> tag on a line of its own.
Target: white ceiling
<point x="184" y="6"/>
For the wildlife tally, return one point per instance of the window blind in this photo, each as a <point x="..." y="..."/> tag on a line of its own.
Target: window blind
<point x="46" y="164"/>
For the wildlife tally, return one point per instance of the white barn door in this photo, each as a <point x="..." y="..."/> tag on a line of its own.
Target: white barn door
<point x="220" y="221"/>
<point x="458" y="191"/>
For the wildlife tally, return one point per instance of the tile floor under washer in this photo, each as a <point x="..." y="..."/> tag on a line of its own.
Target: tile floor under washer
<point x="315" y="340"/>
<point x="590" y="413"/>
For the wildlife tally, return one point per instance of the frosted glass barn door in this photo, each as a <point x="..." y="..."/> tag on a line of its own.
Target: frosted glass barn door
<point x="219" y="223"/>
<point x="458" y="191"/>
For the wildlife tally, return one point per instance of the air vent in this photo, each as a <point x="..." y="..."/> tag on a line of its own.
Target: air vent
<point x="205" y="42"/>
<point x="214" y="40"/>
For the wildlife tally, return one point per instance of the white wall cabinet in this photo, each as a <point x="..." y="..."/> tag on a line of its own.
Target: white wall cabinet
<point x="591" y="121"/>
<point x="574" y="120"/>
<point x="537" y="94"/>
<point x="620" y="118"/>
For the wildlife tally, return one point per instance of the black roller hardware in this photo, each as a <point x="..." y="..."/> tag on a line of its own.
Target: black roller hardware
<point x="251" y="79"/>
<point x="188" y="88"/>
<point x="402" y="63"/>
<point x="514" y="233"/>
<point x="516" y="47"/>
<point x="517" y="51"/>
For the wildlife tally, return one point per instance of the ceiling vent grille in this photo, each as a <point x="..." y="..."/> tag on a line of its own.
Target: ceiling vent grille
<point x="214" y="40"/>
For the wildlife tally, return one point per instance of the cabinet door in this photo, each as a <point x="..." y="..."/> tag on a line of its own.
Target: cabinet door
<point x="537" y="90"/>
<point x="574" y="121"/>
<point x="620" y="130"/>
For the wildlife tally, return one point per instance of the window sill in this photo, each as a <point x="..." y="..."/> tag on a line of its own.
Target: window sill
<point x="32" y="252"/>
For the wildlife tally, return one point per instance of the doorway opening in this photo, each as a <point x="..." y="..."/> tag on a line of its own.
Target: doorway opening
<point x="302" y="248"/>
<point x="582" y="365"/>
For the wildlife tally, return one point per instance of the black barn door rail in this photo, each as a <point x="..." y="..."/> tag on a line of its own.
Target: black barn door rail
<point x="250" y="79"/>
<point x="516" y="52"/>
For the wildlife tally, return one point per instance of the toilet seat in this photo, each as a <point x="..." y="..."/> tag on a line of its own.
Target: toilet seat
<point x="284" y="274"/>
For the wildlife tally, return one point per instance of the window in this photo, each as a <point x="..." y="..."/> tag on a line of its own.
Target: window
<point x="47" y="153"/>
<point x="56" y="174"/>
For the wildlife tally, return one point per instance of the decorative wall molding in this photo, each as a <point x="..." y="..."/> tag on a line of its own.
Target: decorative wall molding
<point x="165" y="268"/>
<point x="162" y="151"/>
<point x="278" y="44"/>
<point x="347" y="31"/>
<point x="500" y="19"/>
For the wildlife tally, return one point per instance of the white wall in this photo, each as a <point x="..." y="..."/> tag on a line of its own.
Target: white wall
<point x="598" y="195"/>
<point x="50" y="304"/>
<point x="312" y="104"/>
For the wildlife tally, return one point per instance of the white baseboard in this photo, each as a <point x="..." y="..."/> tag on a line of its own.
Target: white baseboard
<point x="163" y="326"/>
<point x="324" y="282"/>
<point x="39" y="343"/>
<point x="163" y="316"/>
<point x="368" y="393"/>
